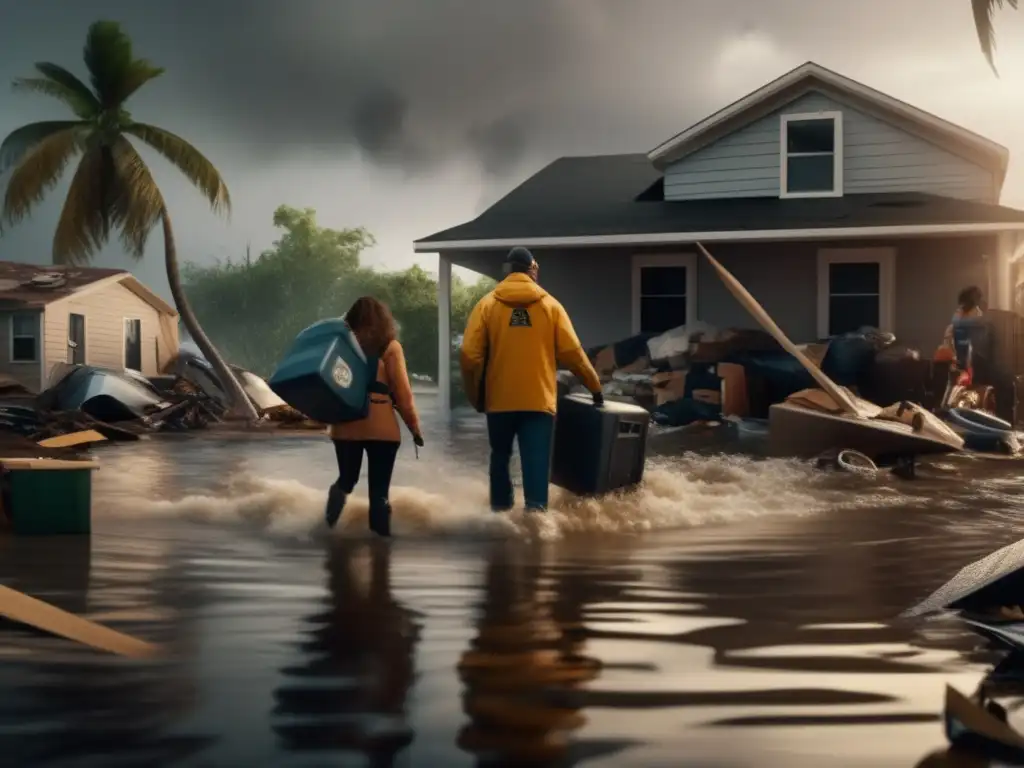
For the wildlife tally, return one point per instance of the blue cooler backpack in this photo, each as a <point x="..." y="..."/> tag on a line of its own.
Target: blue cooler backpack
<point x="326" y="376"/>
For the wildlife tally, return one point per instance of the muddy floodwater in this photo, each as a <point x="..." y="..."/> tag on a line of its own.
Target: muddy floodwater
<point x="735" y="611"/>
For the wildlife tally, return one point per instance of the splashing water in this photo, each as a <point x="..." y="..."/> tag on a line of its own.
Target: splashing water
<point x="681" y="492"/>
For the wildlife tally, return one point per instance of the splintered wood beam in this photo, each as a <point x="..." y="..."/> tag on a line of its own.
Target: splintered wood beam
<point x="748" y="302"/>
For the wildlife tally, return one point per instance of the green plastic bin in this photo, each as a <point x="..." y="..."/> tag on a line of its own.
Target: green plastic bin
<point x="48" y="497"/>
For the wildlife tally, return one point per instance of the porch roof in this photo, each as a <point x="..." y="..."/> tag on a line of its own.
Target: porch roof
<point x="616" y="200"/>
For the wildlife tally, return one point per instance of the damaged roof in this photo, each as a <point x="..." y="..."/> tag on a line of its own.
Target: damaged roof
<point x="620" y="196"/>
<point x="34" y="286"/>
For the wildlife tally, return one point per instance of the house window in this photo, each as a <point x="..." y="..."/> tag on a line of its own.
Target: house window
<point x="25" y="337"/>
<point x="133" y="344"/>
<point x="664" y="292"/>
<point x="812" y="155"/>
<point x="76" y="339"/>
<point x="855" y="289"/>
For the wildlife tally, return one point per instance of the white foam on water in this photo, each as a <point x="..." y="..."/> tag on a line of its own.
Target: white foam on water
<point x="676" y="493"/>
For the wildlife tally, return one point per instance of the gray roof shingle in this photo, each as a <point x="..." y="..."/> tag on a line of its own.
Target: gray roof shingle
<point x="620" y="195"/>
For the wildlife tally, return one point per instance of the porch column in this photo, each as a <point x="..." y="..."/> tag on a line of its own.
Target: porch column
<point x="1017" y="271"/>
<point x="1001" y="274"/>
<point x="444" y="335"/>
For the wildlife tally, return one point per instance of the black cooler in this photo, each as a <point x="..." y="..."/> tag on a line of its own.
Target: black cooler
<point x="598" y="450"/>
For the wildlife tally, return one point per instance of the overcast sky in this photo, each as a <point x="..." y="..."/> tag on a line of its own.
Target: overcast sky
<point x="410" y="116"/>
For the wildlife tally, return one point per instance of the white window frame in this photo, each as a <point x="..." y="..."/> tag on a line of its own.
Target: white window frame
<point x="884" y="257"/>
<point x="642" y="261"/>
<point x="38" y="318"/>
<point x="85" y="332"/>
<point x="124" y="344"/>
<point x="837" y="154"/>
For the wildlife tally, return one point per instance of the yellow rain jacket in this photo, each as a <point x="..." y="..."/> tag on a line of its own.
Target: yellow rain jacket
<point x="516" y="338"/>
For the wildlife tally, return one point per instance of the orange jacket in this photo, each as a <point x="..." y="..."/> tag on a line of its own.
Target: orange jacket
<point x="380" y="423"/>
<point x="516" y="337"/>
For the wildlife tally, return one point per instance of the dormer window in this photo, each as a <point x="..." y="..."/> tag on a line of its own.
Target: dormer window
<point x="811" y="164"/>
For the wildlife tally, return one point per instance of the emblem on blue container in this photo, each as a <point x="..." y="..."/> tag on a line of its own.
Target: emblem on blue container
<point x="341" y="374"/>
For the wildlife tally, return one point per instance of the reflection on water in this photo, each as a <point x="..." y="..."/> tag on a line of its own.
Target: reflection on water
<point x="349" y="694"/>
<point x="529" y="649"/>
<point x="66" y="705"/>
<point x="733" y="611"/>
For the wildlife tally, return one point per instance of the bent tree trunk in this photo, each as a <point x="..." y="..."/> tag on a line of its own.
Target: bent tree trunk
<point x="240" y="402"/>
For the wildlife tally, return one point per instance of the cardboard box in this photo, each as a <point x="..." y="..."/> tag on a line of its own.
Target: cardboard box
<point x="669" y="386"/>
<point x="604" y="361"/>
<point x="734" y="397"/>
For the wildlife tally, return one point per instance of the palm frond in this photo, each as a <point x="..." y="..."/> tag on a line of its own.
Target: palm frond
<point x="55" y="90"/>
<point x="39" y="170"/>
<point x="983" y="11"/>
<point x="108" y="57"/>
<point x="139" y="73"/>
<point x="63" y="86"/>
<point x="137" y="203"/>
<point x="82" y="228"/>
<point x="21" y="140"/>
<point x="189" y="160"/>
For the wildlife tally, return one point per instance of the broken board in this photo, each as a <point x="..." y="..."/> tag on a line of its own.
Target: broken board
<point x="19" y="607"/>
<point x="970" y="725"/>
<point x="71" y="439"/>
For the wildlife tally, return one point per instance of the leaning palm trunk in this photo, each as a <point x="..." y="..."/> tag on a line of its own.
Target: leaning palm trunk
<point x="240" y="402"/>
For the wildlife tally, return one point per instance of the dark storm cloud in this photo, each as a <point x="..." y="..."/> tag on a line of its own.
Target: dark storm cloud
<point x="414" y="83"/>
<point x="498" y="144"/>
<point x="408" y="83"/>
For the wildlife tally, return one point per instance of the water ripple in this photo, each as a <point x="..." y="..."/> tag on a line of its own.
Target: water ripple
<point x="729" y="593"/>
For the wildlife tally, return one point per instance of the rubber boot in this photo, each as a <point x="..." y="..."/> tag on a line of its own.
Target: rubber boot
<point x="380" y="517"/>
<point x="336" y="499"/>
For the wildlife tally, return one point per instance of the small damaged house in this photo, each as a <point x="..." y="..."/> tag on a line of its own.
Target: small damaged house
<point x="837" y="206"/>
<point x="88" y="316"/>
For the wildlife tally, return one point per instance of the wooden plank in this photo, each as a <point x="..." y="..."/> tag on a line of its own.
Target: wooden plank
<point x="19" y="607"/>
<point x="48" y="464"/>
<point x="72" y="438"/>
<point x="748" y="302"/>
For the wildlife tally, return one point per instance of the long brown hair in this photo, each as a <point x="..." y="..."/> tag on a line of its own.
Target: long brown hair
<point x="970" y="298"/>
<point x="372" y="323"/>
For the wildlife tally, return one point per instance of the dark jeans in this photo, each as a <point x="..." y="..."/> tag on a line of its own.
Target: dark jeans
<point x="381" y="456"/>
<point x="535" y="431"/>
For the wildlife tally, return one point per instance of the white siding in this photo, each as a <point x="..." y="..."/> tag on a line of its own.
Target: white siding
<point x="877" y="157"/>
<point x="105" y="310"/>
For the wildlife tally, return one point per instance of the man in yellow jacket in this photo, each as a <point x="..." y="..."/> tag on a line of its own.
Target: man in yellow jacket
<point x="516" y="338"/>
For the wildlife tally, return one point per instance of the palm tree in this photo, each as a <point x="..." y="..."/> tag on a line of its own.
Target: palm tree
<point x="983" y="11"/>
<point x="112" y="188"/>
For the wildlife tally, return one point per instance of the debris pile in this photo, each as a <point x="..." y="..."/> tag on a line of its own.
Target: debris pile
<point x="124" y="404"/>
<point x="699" y="373"/>
<point x="986" y="596"/>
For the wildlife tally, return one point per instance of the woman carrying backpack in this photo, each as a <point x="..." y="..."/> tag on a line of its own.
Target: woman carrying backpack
<point x="378" y="433"/>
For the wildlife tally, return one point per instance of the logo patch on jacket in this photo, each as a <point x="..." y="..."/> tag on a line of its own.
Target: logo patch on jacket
<point x="520" y="318"/>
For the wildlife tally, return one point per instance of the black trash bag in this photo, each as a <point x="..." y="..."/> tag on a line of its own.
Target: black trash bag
<point x="685" y="411"/>
<point x="701" y="377"/>
<point x="628" y="351"/>
<point x="849" y="359"/>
